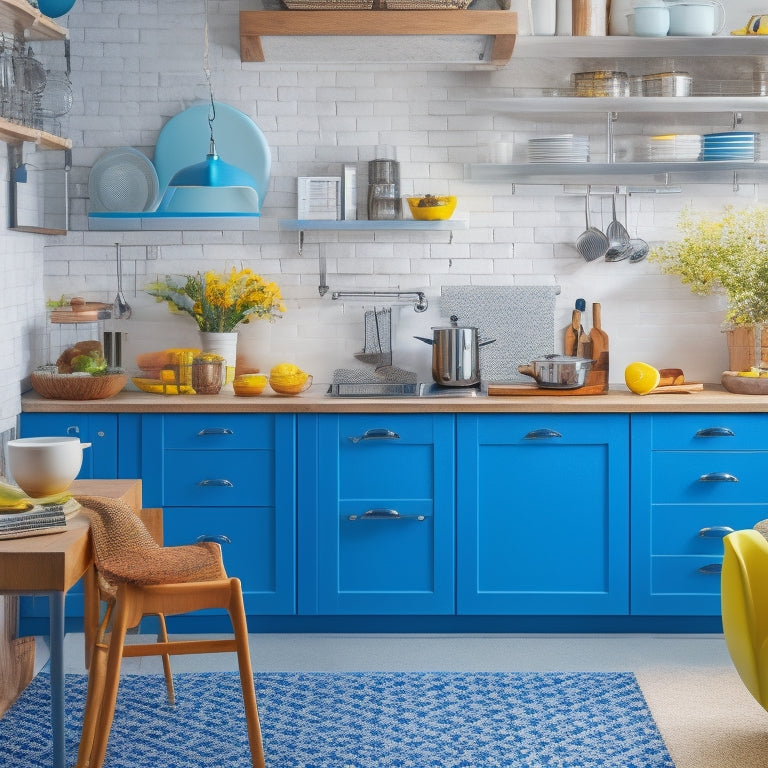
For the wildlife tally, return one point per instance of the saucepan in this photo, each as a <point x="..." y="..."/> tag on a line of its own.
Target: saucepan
<point x="558" y="371"/>
<point x="455" y="354"/>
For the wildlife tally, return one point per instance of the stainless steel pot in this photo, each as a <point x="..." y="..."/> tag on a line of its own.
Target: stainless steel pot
<point x="558" y="371"/>
<point x="455" y="354"/>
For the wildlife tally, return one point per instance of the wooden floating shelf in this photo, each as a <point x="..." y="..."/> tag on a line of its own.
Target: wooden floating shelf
<point x="12" y="133"/>
<point x="499" y="25"/>
<point x="18" y="17"/>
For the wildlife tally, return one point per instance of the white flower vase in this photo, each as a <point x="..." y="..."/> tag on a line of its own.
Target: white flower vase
<point x="224" y="345"/>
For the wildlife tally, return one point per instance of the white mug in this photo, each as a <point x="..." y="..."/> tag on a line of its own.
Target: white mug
<point x="651" y="21"/>
<point x="696" y="19"/>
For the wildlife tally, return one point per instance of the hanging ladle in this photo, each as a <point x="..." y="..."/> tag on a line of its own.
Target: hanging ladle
<point x="121" y="308"/>
<point x="592" y="243"/>
<point x="618" y="237"/>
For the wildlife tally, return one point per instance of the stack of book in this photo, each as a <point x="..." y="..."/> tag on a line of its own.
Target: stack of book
<point x="37" y="520"/>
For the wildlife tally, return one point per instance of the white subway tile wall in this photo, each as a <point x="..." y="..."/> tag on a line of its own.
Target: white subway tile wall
<point x="137" y="64"/>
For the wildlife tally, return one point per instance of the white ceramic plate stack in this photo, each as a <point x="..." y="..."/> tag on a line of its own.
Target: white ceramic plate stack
<point x="679" y="147"/>
<point x="566" y="148"/>
<point x="731" y="145"/>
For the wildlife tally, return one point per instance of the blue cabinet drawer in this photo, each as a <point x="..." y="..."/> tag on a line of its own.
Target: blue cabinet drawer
<point x="693" y="574"/>
<point x="219" y="478"/>
<point x="213" y="431"/>
<point x="254" y="554"/>
<point x="709" y="432"/>
<point x="702" y="477"/>
<point x="699" y="530"/>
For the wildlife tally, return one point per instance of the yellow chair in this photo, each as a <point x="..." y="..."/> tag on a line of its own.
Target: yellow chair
<point x="744" y="601"/>
<point x="138" y="577"/>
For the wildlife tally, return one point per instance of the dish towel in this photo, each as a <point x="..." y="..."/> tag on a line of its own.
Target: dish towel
<point x="520" y="317"/>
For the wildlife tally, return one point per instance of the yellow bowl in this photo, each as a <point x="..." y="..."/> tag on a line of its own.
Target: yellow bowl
<point x="249" y="384"/>
<point x="446" y="205"/>
<point x="288" y="386"/>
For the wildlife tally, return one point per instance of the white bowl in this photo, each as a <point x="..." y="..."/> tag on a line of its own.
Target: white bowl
<point x="43" y="466"/>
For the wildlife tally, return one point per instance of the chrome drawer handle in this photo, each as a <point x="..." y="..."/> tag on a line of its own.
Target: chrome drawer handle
<point x="715" y="432"/>
<point x="384" y="514"/>
<point x="542" y="434"/>
<point x="219" y="538"/>
<point x="219" y="483"/>
<point x="376" y="434"/>
<point x="718" y="477"/>
<point x="711" y="568"/>
<point x="215" y="431"/>
<point x="715" y="532"/>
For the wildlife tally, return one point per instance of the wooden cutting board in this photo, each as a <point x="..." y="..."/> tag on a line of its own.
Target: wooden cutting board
<point x="87" y="312"/>
<point x="598" y="374"/>
<point x="672" y="389"/>
<point x="531" y="390"/>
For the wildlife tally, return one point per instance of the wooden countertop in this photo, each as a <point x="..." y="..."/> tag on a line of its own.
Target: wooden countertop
<point x="714" y="398"/>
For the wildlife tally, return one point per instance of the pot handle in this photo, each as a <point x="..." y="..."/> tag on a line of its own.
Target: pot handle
<point x="526" y="370"/>
<point x="85" y="445"/>
<point x="426" y="341"/>
<point x="487" y="341"/>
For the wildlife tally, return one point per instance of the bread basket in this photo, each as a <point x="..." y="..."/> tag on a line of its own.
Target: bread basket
<point x="77" y="386"/>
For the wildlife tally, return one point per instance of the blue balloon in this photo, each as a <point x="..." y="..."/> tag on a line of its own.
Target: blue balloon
<point x="55" y="8"/>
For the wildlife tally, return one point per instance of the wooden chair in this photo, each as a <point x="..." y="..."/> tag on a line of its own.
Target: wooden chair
<point x="744" y="598"/>
<point x="138" y="577"/>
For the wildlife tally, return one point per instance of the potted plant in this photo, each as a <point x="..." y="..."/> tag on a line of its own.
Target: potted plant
<point x="728" y="255"/>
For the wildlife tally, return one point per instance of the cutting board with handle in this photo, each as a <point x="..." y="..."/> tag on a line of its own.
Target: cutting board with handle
<point x="531" y="390"/>
<point x="598" y="374"/>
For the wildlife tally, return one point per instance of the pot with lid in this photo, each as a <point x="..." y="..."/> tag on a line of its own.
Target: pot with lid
<point x="455" y="354"/>
<point x="558" y="371"/>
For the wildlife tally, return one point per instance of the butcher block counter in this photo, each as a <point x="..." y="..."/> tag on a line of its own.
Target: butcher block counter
<point x="713" y="399"/>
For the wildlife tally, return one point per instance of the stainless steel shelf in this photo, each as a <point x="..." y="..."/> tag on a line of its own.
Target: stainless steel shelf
<point x="364" y="225"/>
<point x="662" y="173"/>
<point x="627" y="104"/>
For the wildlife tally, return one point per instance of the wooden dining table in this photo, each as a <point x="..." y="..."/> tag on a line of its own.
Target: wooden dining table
<point x="50" y="565"/>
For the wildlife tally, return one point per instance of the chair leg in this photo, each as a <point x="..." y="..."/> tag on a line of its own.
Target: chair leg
<point x="240" y="627"/>
<point x="111" y="683"/>
<point x="162" y="637"/>
<point x="98" y="657"/>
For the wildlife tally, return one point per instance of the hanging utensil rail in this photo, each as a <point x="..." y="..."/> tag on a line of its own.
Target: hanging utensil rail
<point x="420" y="302"/>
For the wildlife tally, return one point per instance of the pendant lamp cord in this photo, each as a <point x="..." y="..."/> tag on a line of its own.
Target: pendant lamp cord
<point x="207" y="72"/>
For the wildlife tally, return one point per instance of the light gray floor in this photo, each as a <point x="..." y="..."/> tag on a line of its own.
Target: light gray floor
<point x="319" y="652"/>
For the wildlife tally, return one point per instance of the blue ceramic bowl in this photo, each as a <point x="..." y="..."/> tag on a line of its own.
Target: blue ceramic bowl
<point x="55" y="8"/>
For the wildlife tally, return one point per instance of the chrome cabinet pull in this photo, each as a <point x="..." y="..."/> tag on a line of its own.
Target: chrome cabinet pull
<point x="215" y="431"/>
<point x="715" y="432"/>
<point x="73" y="430"/>
<point x="715" y="532"/>
<point x="542" y="434"/>
<point x="219" y="538"/>
<point x="711" y="568"/>
<point x="718" y="477"/>
<point x="376" y="434"/>
<point x="218" y="483"/>
<point x="382" y="513"/>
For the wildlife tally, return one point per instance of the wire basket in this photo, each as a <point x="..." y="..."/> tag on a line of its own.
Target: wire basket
<point x="424" y="5"/>
<point x="328" y="5"/>
<point x="73" y="386"/>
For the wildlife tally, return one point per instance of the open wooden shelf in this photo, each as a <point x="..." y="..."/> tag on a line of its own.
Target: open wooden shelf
<point x="500" y="26"/>
<point x="18" y="17"/>
<point x="13" y="133"/>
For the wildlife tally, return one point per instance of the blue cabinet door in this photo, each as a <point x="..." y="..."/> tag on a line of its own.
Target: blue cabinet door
<point x="377" y="514"/>
<point x="695" y="477"/>
<point x="99" y="429"/>
<point x="542" y="514"/>
<point x="230" y="474"/>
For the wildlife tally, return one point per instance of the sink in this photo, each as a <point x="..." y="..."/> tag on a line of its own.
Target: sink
<point x="389" y="390"/>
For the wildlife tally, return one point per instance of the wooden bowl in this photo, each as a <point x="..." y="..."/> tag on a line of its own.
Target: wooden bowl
<point x="744" y="385"/>
<point x="73" y="386"/>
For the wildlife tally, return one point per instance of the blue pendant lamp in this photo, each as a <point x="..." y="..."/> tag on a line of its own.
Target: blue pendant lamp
<point x="212" y="185"/>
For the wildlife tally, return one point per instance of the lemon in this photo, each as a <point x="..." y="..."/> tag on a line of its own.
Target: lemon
<point x="748" y="374"/>
<point x="641" y="378"/>
<point x="249" y="384"/>
<point x="285" y="369"/>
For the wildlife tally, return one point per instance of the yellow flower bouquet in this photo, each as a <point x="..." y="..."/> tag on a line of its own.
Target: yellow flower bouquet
<point x="219" y="302"/>
<point x="726" y="255"/>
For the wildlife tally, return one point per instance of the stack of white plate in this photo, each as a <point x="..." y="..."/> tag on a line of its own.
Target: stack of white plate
<point x="731" y="145"/>
<point x="566" y="148"/>
<point x="674" y="146"/>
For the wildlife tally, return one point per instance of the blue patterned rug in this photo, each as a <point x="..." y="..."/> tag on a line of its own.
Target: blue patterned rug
<point x="358" y="720"/>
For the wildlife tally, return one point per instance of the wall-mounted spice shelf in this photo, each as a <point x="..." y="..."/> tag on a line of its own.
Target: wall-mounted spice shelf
<point x="500" y="27"/>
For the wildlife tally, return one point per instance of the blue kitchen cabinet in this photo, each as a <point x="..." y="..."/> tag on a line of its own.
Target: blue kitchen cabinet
<point x="543" y="518"/>
<point x="695" y="477"/>
<point x="232" y="475"/>
<point x="100" y="461"/>
<point x="377" y="514"/>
